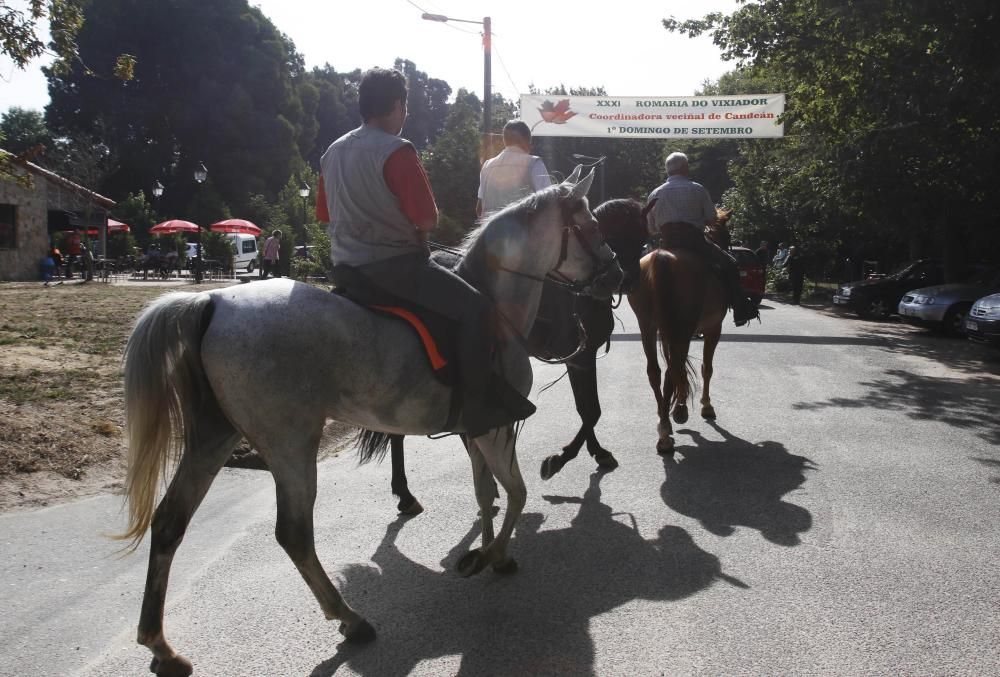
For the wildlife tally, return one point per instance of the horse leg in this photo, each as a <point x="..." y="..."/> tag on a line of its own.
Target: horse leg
<point x="711" y="342"/>
<point x="678" y="375"/>
<point x="197" y="469"/>
<point x="497" y="449"/>
<point x="408" y="505"/>
<point x="294" y="470"/>
<point x="588" y="405"/>
<point x="665" y="443"/>
<point x="485" y="488"/>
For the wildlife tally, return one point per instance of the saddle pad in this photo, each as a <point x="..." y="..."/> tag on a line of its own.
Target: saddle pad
<point x="438" y="361"/>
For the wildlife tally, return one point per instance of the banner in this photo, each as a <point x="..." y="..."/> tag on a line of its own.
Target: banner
<point x="748" y="116"/>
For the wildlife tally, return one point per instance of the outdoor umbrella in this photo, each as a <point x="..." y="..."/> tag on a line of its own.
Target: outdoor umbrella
<point x="174" y="226"/>
<point x="235" y="226"/>
<point x="117" y="227"/>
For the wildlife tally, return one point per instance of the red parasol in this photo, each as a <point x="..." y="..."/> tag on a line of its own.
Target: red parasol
<point x="174" y="226"/>
<point x="235" y="226"/>
<point x="118" y="226"/>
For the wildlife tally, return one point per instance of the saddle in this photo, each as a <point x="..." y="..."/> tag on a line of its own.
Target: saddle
<point x="438" y="335"/>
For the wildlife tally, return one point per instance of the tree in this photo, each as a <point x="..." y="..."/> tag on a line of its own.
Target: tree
<point x="426" y="104"/>
<point x="215" y="83"/>
<point x="891" y="105"/>
<point x="22" y="129"/>
<point x="452" y="165"/>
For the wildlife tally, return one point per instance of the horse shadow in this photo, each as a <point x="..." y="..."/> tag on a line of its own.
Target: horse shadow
<point x="535" y="622"/>
<point x="734" y="482"/>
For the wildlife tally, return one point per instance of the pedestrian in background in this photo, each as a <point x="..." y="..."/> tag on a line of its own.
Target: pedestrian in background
<point x="796" y="272"/>
<point x="272" y="253"/>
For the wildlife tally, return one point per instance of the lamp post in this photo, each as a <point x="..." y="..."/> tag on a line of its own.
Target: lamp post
<point x="157" y="190"/>
<point x="594" y="162"/>
<point x="487" y="68"/>
<point x="304" y="194"/>
<point x="200" y="174"/>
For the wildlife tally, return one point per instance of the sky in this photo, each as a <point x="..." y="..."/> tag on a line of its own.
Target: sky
<point x="620" y="46"/>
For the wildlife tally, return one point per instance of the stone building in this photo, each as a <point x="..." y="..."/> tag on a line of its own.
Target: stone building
<point x="31" y="212"/>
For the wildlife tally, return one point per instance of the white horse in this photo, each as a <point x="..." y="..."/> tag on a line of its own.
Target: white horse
<point x="315" y="356"/>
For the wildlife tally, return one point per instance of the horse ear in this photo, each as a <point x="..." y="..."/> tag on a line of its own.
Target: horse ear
<point x="575" y="176"/>
<point x="582" y="186"/>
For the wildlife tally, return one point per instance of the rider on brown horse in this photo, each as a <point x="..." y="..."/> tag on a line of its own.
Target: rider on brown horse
<point x="677" y="212"/>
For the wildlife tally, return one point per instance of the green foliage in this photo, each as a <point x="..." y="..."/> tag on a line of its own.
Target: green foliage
<point x="453" y="168"/>
<point x="214" y="83"/>
<point x="121" y="244"/>
<point x="138" y="213"/>
<point x="891" y="132"/>
<point x="426" y="104"/>
<point x="22" y="129"/>
<point x="219" y="247"/>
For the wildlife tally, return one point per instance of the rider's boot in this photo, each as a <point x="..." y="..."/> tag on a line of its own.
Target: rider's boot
<point x="744" y="309"/>
<point x="501" y="405"/>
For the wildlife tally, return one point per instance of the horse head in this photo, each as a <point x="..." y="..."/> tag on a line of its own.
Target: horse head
<point x="719" y="231"/>
<point x="585" y="259"/>
<point x="624" y="227"/>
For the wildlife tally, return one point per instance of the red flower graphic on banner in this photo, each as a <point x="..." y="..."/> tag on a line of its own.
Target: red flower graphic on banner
<point x="558" y="113"/>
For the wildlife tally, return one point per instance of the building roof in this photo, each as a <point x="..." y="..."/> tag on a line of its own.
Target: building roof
<point x="60" y="181"/>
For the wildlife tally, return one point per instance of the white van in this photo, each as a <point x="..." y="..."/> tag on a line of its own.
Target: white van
<point x="244" y="251"/>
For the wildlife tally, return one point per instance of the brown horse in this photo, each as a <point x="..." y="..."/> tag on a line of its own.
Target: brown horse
<point x="678" y="296"/>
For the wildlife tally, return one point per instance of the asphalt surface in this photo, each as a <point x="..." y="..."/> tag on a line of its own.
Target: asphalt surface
<point x="840" y="517"/>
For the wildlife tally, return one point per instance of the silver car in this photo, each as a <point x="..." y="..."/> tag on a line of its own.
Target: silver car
<point x="945" y="306"/>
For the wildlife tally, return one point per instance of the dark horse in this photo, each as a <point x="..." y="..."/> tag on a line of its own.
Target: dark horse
<point x="556" y="334"/>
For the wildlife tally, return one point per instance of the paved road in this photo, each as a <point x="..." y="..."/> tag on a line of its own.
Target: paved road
<point x="841" y="517"/>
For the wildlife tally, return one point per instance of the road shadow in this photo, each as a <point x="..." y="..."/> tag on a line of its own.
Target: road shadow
<point x="969" y="403"/>
<point x="990" y="463"/>
<point x="534" y="622"/>
<point x="734" y="482"/>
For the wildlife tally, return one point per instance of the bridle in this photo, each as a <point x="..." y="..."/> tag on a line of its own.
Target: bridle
<point x="576" y="287"/>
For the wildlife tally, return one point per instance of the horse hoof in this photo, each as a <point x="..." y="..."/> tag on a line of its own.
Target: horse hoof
<point x="665" y="447"/>
<point x="471" y="563"/>
<point x="178" y="666"/>
<point x="606" y="461"/>
<point x="680" y="414"/>
<point x="507" y="567"/>
<point x="361" y="634"/>
<point x="412" y="508"/>
<point x="708" y="412"/>
<point x="550" y="467"/>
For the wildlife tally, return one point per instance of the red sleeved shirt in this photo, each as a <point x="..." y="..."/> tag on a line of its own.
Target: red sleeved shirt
<point x="408" y="181"/>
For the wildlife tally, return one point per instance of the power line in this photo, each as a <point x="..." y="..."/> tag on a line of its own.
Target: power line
<point x="446" y="23"/>
<point x="517" y="90"/>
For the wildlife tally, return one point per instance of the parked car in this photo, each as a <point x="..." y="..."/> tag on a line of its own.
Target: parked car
<point x="879" y="297"/>
<point x="751" y="273"/>
<point x="944" y="307"/>
<point x="983" y="321"/>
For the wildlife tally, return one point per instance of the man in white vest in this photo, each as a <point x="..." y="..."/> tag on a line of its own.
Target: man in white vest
<point x="513" y="174"/>
<point x="376" y="197"/>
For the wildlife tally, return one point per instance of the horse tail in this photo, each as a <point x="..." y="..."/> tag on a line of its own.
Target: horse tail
<point x="163" y="379"/>
<point x="371" y="445"/>
<point x="675" y="324"/>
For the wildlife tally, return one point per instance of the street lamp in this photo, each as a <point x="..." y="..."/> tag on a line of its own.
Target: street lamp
<point x="304" y="194"/>
<point x="487" y="68"/>
<point x="594" y="162"/>
<point x="200" y="174"/>
<point x="157" y="189"/>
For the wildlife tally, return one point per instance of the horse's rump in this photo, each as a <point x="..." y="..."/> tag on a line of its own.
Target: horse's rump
<point x="288" y="338"/>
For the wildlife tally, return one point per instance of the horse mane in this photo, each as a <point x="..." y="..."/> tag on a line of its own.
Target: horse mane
<point x="523" y="211"/>
<point x="616" y="215"/>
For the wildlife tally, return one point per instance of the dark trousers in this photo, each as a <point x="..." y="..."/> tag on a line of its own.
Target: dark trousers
<point x="416" y="278"/>
<point x="268" y="267"/>
<point x="796" y="279"/>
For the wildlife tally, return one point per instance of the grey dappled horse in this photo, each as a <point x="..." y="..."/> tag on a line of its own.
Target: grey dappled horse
<point x="315" y="356"/>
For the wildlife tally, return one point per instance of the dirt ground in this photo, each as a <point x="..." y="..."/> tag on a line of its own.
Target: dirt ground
<point x="61" y="408"/>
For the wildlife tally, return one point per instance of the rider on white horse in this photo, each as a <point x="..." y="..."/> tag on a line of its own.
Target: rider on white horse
<point x="376" y="197"/>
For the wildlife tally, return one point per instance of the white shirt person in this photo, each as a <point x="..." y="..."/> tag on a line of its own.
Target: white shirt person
<point x="513" y="174"/>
